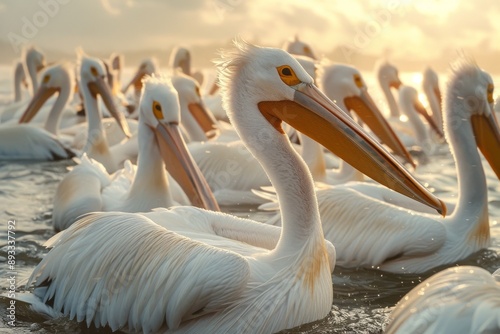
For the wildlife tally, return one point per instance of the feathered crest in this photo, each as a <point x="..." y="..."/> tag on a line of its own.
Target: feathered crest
<point x="464" y="66"/>
<point x="155" y="80"/>
<point x="232" y="59"/>
<point x="80" y="56"/>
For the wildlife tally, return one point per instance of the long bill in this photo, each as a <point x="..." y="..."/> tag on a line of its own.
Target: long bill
<point x="99" y="86"/>
<point x="422" y="111"/>
<point x="367" y="110"/>
<point x="180" y="164"/>
<point x="487" y="135"/>
<point x="439" y="98"/>
<point x="38" y="100"/>
<point x="204" y="118"/>
<point x="313" y="114"/>
<point x="136" y="81"/>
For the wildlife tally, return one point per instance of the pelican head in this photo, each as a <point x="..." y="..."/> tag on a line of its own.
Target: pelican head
<point x="297" y="47"/>
<point x="92" y="79"/>
<point x="35" y="58"/>
<point x="159" y="109"/>
<point x="430" y="79"/>
<point x="147" y="67"/>
<point x="347" y="83"/>
<point x="181" y="58"/>
<point x="277" y="89"/>
<point x="189" y="94"/>
<point x="469" y="105"/>
<point x="116" y="61"/>
<point x="54" y="79"/>
<point x="410" y="95"/>
<point x="388" y="74"/>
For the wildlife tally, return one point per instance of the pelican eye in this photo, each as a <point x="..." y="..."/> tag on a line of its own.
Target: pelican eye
<point x="287" y="75"/>
<point x="157" y="110"/>
<point x="358" y="81"/>
<point x="307" y="50"/>
<point x="490" y="93"/>
<point x="94" y="72"/>
<point x="46" y="78"/>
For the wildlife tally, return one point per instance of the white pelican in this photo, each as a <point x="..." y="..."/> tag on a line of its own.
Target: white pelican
<point x="19" y="81"/>
<point x="345" y="85"/>
<point x="388" y="77"/>
<point x="28" y="142"/>
<point x="92" y="83"/>
<point x="180" y="57"/>
<point x="148" y="66"/>
<point x="196" y="271"/>
<point x="197" y="120"/>
<point x="297" y="47"/>
<point x="88" y="187"/>
<point x="34" y="62"/>
<point x="430" y="86"/>
<point x="413" y="109"/>
<point x="369" y="232"/>
<point x="198" y="123"/>
<point x="117" y="64"/>
<point x="462" y="299"/>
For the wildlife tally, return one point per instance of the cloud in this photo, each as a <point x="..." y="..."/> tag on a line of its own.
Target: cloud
<point x="412" y="29"/>
<point x="108" y="7"/>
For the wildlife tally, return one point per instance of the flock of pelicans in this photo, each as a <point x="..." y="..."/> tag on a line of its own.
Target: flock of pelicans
<point x="143" y="245"/>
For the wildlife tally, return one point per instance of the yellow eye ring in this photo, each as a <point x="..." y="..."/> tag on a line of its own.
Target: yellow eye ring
<point x="157" y="111"/>
<point x="287" y="75"/>
<point x="46" y="78"/>
<point x="94" y="72"/>
<point x="358" y="81"/>
<point x="490" y="93"/>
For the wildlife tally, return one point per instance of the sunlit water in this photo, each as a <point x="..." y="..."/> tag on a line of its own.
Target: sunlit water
<point x="362" y="297"/>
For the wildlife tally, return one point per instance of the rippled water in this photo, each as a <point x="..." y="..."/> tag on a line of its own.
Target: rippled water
<point x="362" y="298"/>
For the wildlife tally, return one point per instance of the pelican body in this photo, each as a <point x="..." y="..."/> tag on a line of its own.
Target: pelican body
<point x="463" y="299"/>
<point x="30" y="142"/>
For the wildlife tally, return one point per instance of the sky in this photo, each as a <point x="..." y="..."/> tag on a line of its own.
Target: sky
<point x="409" y="29"/>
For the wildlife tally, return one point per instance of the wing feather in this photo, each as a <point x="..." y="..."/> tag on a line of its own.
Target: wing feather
<point x="123" y="269"/>
<point x="79" y="193"/>
<point x="25" y="142"/>
<point x="368" y="232"/>
<point x="456" y="300"/>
